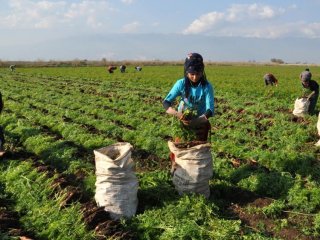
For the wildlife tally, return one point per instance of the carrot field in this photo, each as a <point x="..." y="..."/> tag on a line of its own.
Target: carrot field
<point x="266" y="181"/>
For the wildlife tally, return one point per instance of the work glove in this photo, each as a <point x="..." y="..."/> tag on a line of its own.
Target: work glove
<point x="195" y="123"/>
<point x="200" y="126"/>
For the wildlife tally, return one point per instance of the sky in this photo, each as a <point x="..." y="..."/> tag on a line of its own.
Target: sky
<point x="164" y="30"/>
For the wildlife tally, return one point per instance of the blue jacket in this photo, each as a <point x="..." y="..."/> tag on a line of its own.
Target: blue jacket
<point x="201" y="97"/>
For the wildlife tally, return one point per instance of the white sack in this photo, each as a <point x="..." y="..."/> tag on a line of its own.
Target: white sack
<point x="301" y="106"/>
<point x="318" y="127"/>
<point x="318" y="124"/>
<point x="194" y="168"/>
<point x="116" y="182"/>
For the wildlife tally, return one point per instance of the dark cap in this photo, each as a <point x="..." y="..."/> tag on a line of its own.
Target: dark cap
<point x="194" y="69"/>
<point x="305" y="76"/>
<point x="194" y="63"/>
<point x="194" y="57"/>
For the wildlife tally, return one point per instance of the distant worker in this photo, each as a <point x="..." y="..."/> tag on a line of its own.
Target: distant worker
<point x="123" y="68"/>
<point x="111" y="68"/>
<point x="269" y="78"/>
<point x="138" y="68"/>
<point x="12" y="67"/>
<point x="2" y="140"/>
<point x="311" y="90"/>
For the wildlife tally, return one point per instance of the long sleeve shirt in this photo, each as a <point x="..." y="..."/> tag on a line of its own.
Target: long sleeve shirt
<point x="200" y="97"/>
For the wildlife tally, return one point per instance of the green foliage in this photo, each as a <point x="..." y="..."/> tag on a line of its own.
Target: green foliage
<point x="270" y="184"/>
<point x="304" y="195"/>
<point x="317" y="224"/>
<point x="257" y="236"/>
<point x="155" y="188"/>
<point x="191" y="217"/>
<point x="275" y="208"/>
<point x="58" y="116"/>
<point x="42" y="214"/>
<point x="4" y="236"/>
<point x="181" y="131"/>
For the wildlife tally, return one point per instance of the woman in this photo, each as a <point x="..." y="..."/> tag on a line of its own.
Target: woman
<point x="196" y="93"/>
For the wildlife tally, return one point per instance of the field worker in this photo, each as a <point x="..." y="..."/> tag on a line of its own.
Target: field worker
<point x="2" y="152"/>
<point x="123" y="68"/>
<point x="269" y="78"/>
<point x="111" y="69"/>
<point x="12" y="67"/>
<point x="195" y="92"/>
<point x="311" y="90"/>
<point x="138" y="68"/>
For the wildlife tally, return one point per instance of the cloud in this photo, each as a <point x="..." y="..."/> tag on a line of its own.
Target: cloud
<point x="293" y="6"/>
<point x="89" y="11"/>
<point x="254" y="11"/>
<point x="254" y="20"/>
<point x="46" y="5"/>
<point x="311" y="30"/>
<point x="155" y="24"/>
<point x="25" y="14"/>
<point x="296" y="29"/>
<point x="233" y="15"/>
<point x="127" y="1"/>
<point x="204" y="23"/>
<point x="44" y="24"/>
<point x="29" y="14"/>
<point x="262" y="12"/>
<point x="131" y="27"/>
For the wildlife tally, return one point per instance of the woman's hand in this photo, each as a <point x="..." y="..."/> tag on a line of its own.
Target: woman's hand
<point x="179" y="115"/>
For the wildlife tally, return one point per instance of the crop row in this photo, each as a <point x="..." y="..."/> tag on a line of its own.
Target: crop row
<point x="262" y="153"/>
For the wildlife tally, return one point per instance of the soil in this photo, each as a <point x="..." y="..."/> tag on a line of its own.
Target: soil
<point x="147" y="161"/>
<point x="10" y="224"/>
<point x="299" y="120"/>
<point x="98" y="219"/>
<point x="239" y="204"/>
<point x="261" y="223"/>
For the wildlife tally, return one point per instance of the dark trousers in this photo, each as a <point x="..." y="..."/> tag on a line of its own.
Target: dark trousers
<point x="312" y="106"/>
<point x="267" y="82"/>
<point x="202" y="132"/>
<point x="2" y="140"/>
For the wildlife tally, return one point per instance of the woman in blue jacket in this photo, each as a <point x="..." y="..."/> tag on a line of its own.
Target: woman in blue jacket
<point x="195" y="93"/>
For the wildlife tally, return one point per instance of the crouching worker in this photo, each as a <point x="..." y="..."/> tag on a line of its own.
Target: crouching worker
<point x="269" y="78"/>
<point x="311" y="90"/>
<point x="191" y="163"/>
<point x="111" y="68"/>
<point x="2" y="151"/>
<point x="196" y="94"/>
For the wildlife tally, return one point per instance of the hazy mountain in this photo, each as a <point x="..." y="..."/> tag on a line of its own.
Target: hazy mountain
<point x="164" y="47"/>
